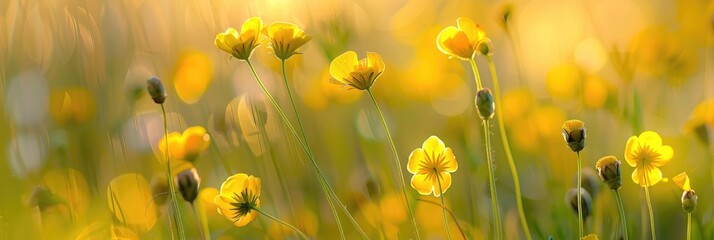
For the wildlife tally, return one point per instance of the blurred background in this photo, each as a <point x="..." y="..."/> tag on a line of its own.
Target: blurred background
<point x="75" y="114"/>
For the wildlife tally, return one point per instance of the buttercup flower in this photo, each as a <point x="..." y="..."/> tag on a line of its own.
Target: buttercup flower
<point x="186" y="146"/>
<point x="430" y="161"/>
<point x="360" y="74"/>
<point x="608" y="168"/>
<point x="286" y="38"/>
<point x="241" y="45"/>
<point x="461" y="42"/>
<point x="574" y="134"/>
<point x="238" y="198"/>
<point x="646" y="154"/>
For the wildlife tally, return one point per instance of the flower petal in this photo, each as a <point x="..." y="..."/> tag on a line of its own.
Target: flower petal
<point x="473" y="32"/>
<point x="374" y="60"/>
<point x="234" y="184"/>
<point x="449" y="161"/>
<point x="682" y="180"/>
<point x="423" y="183"/>
<point x="631" y="146"/>
<point x="253" y="25"/>
<point x="653" y="175"/>
<point x="246" y="219"/>
<point x="416" y="158"/>
<point x="343" y="65"/>
<point x="446" y="34"/>
<point x="280" y="29"/>
<point x="665" y="156"/>
<point x="651" y="138"/>
<point x="433" y="147"/>
<point x="445" y="179"/>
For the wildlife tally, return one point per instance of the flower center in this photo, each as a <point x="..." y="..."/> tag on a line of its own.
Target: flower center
<point x="243" y="203"/>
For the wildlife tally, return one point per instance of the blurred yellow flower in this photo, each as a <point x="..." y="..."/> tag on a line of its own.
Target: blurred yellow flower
<point x="192" y="76"/>
<point x="241" y="45"/>
<point x="238" y="199"/>
<point x="563" y="81"/>
<point x="360" y="74"/>
<point x="461" y="42"/>
<point x="682" y="181"/>
<point x="703" y="114"/>
<point x="286" y="38"/>
<point x="124" y="194"/>
<point x="71" y="106"/>
<point x="430" y="161"/>
<point x="646" y="153"/>
<point x="186" y="146"/>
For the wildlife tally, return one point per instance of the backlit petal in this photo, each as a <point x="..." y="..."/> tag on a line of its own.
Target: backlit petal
<point x="682" y="180"/>
<point x="444" y="35"/>
<point x="665" y="156"/>
<point x="449" y="162"/>
<point x="653" y="175"/>
<point x="445" y="179"/>
<point x="253" y="25"/>
<point x="374" y="61"/>
<point x="473" y="32"/>
<point x="234" y="184"/>
<point x="415" y="159"/>
<point x="433" y="146"/>
<point x="630" y="147"/>
<point x="423" y="184"/>
<point x="650" y="138"/>
<point x="343" y="65"/>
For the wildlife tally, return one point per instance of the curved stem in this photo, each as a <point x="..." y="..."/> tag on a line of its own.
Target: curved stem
<point x="299" y="233"/>
<point x="492" y="182"/>
<point x="325" y="185"/>
<point x="172" y="188"/>
<point x="507" y="148"/>
<point x="689" y="226"/>
<point x="623" y="220"/>
<point x="477" y="76"/>
<point x="649" y="209"/>
<point x="580" y="199"/>
<point x="443" y="206"/>
<point x="396" y="160"/>
<point x="453" y="216"/>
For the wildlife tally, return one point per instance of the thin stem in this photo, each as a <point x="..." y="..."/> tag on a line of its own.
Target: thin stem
<point x="172" y="188"/>
<point x="689" y="226"/>
<point x="580" y="199"/>
<point x="201" y="232"/>
<point x="477" y="76"/>
<point x="623" y="220"/>
<point x="299" y="233"/>
<point x="443" y="206"/>
<point x="325" y="185"/>
<point x="507" y="148"/>
<point x="398" y="162"/>
<point x="649" y="209"/>
<point x="492" y="182"/>
<point x="453" y="216"/>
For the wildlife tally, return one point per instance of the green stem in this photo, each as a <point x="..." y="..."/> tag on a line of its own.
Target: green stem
<point x="623" y="220"/>
<point x="397" y="161"/>
<point x="649" y="209"/>
<point x="507" y="149"/>
<point x="689" y="226"/>
<point x="172" y="188"/>
<point x="443" y="206"/>
<point x="492" y="182"/>
<point x="201" y="232"/>
<point x="325" y="185"/>
<point x="477" y="76"/>
<point x="580" y="199"/>
<point x="299" y="233"/>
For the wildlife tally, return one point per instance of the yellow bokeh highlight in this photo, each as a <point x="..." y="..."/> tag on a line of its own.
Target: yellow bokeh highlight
<point x="129" y="199"/>
<point x="192" y="76"/>
<point x="71" y="186"/>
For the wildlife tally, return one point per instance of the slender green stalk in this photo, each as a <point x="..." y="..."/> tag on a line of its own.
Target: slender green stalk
<point x="396" y="160"/>
<point x="492" y="182"/>
<point x="443" y="206"/>
<point x="477" y="76"/>
<point x="649" y="209"/>
<point x="580" y="199"/>
<point x="172" y="188"/>
<point x="689" y="226"/>
<point x="299" y="233"/>
<point x="325" y="185"/>
<point x="507" y="148"/>
<point x="453" y="216"/>
<point x="623" y="220"/>
<point x="201" y="232"/>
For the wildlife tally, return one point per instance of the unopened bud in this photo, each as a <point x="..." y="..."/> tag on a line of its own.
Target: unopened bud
<point x="485" y="47"/>
<point x="689" y="200"/>
<point x="188" y="182"/>
<point x="156" y="90"/>
<point x="571" y="198"/>
<point x="574" y="134"/>
<point x="608" y="168"/>
<point x="485" y="104"/>
<point x="373" y="189"/>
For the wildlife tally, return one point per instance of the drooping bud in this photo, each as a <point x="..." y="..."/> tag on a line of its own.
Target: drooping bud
<point x="188" y="182"/>
<point x="156" y="90"/>
<point x="571" y="198"/>
<point x="485" y="47"/>
<point x="574" y="134"/>
<point x="689" y="200"/>
<point x="484" y="104"/>
<point x="590" y="181"/>
<point x="608" y="168"/>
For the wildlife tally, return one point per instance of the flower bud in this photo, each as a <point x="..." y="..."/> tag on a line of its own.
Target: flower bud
<point x="689" y="200"/>
<point x="188" y="182"/>
<point x="156" y="90"/>
<point x="485" y="47"/>
<point x="571" y="198"/>
<point x="574" y="134"/>
<point x="485" y="104"/>
<point x="159" y="188"/>
<point x="608" y="168"/>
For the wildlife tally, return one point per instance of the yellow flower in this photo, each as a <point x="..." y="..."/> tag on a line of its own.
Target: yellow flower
<point x="608" y="168"/>
<point x="239" y="198"/>
<point x="646" y="153"/>
<point x="463" y="41"/>
<point x="186" y="146"/>
<point x="360" y="74"/>
<point x="682" y="181"/>
<point x="241" y="45"/>
<point x="574" y="134"/>
<point x="286" y="38"/>
<point x="430" y="161"/>
<point x="702" y="115"/>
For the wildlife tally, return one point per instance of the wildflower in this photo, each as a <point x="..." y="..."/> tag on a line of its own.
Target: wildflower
<point x="485" y="104"/>
<point x="574" y="134"/>
<point x="608" y="168"/>
<point x="646" y="154"/>
<point x="460" y="42"/>
<point x="286" y="38"/>
<point x="701" y="117"/>
<point x="239" y="198"/>
<point x="156" y="90"/>
<point x="360" y="74"/>
<point x="433" y="160"/>
<point x="586" y="201"/>
<point x="188" y="182"/>
<point x="241" y="45"/>
<point x="186" y="146"/>
<point x="192" y="75"/>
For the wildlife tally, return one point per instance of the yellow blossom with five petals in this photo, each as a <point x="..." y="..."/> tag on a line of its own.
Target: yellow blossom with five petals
<point x="347" y="70"/>
<point x="239" y="198"/>
<point x="286" y="38"/>
<point x="462" y="41"/>
<point x="646" y="154"/>
<point x="241" y="45"/>
<point x="430" y="161"/>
